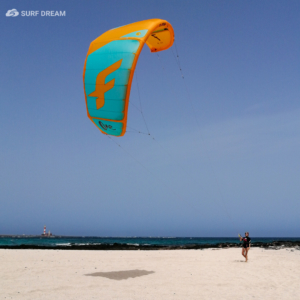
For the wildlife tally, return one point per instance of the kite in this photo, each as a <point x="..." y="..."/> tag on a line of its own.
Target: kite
<point x="109" y="69"/>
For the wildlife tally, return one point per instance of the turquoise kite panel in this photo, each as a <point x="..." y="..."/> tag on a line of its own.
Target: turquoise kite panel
<point x="102" y="61"/>
<point x="110" y="115"/>
<point x="121" y="79"/>
<point x="117" y="92"/>
<point x="98" y="61"/>
<point x="110" y="105"/>
<point x="112" y="128"/>
<point x="136" y="34"/>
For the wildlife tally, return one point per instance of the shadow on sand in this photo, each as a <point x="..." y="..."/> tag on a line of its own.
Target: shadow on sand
<point x="120" y="275"/>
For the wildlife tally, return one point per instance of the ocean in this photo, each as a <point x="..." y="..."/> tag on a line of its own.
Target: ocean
<point x="56" y="241"/>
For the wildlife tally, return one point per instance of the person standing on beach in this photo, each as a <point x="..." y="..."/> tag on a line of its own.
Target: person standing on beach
<point x="246" y="245"/>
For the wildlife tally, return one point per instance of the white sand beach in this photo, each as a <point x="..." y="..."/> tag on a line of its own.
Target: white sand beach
<point x="178" y="274"/>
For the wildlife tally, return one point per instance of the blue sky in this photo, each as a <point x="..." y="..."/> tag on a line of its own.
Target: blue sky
<point x="225" y="158"/>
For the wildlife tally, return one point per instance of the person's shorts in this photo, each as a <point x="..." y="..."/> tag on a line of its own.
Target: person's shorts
<point x="245" y="246"/>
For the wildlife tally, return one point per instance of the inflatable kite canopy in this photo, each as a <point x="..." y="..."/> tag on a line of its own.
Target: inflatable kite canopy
<point x="109" y="69"/>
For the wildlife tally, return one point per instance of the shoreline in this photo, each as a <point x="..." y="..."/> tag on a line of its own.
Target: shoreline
<point x="275" y="245"/>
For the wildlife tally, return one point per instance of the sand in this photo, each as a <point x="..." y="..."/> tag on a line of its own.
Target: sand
<point x="166" y="274"/>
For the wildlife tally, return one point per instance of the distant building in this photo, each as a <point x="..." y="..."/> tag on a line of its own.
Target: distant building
<point x="46" y="234"/>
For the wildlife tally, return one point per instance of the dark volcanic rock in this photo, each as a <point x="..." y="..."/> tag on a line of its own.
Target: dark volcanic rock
<point x="273" y="245"/>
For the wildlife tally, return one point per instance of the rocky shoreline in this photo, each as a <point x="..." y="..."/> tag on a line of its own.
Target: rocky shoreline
<point x="275" y="245"/>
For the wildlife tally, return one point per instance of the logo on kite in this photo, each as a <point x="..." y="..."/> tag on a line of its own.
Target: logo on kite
<point x="12" y="13"/>
<point x="155" y="36"/>
<point x="102" y="87"/>
<point x="105" y="127"/>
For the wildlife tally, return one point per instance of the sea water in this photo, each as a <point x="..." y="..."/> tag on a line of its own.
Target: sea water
<point x="138" y="241"/>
